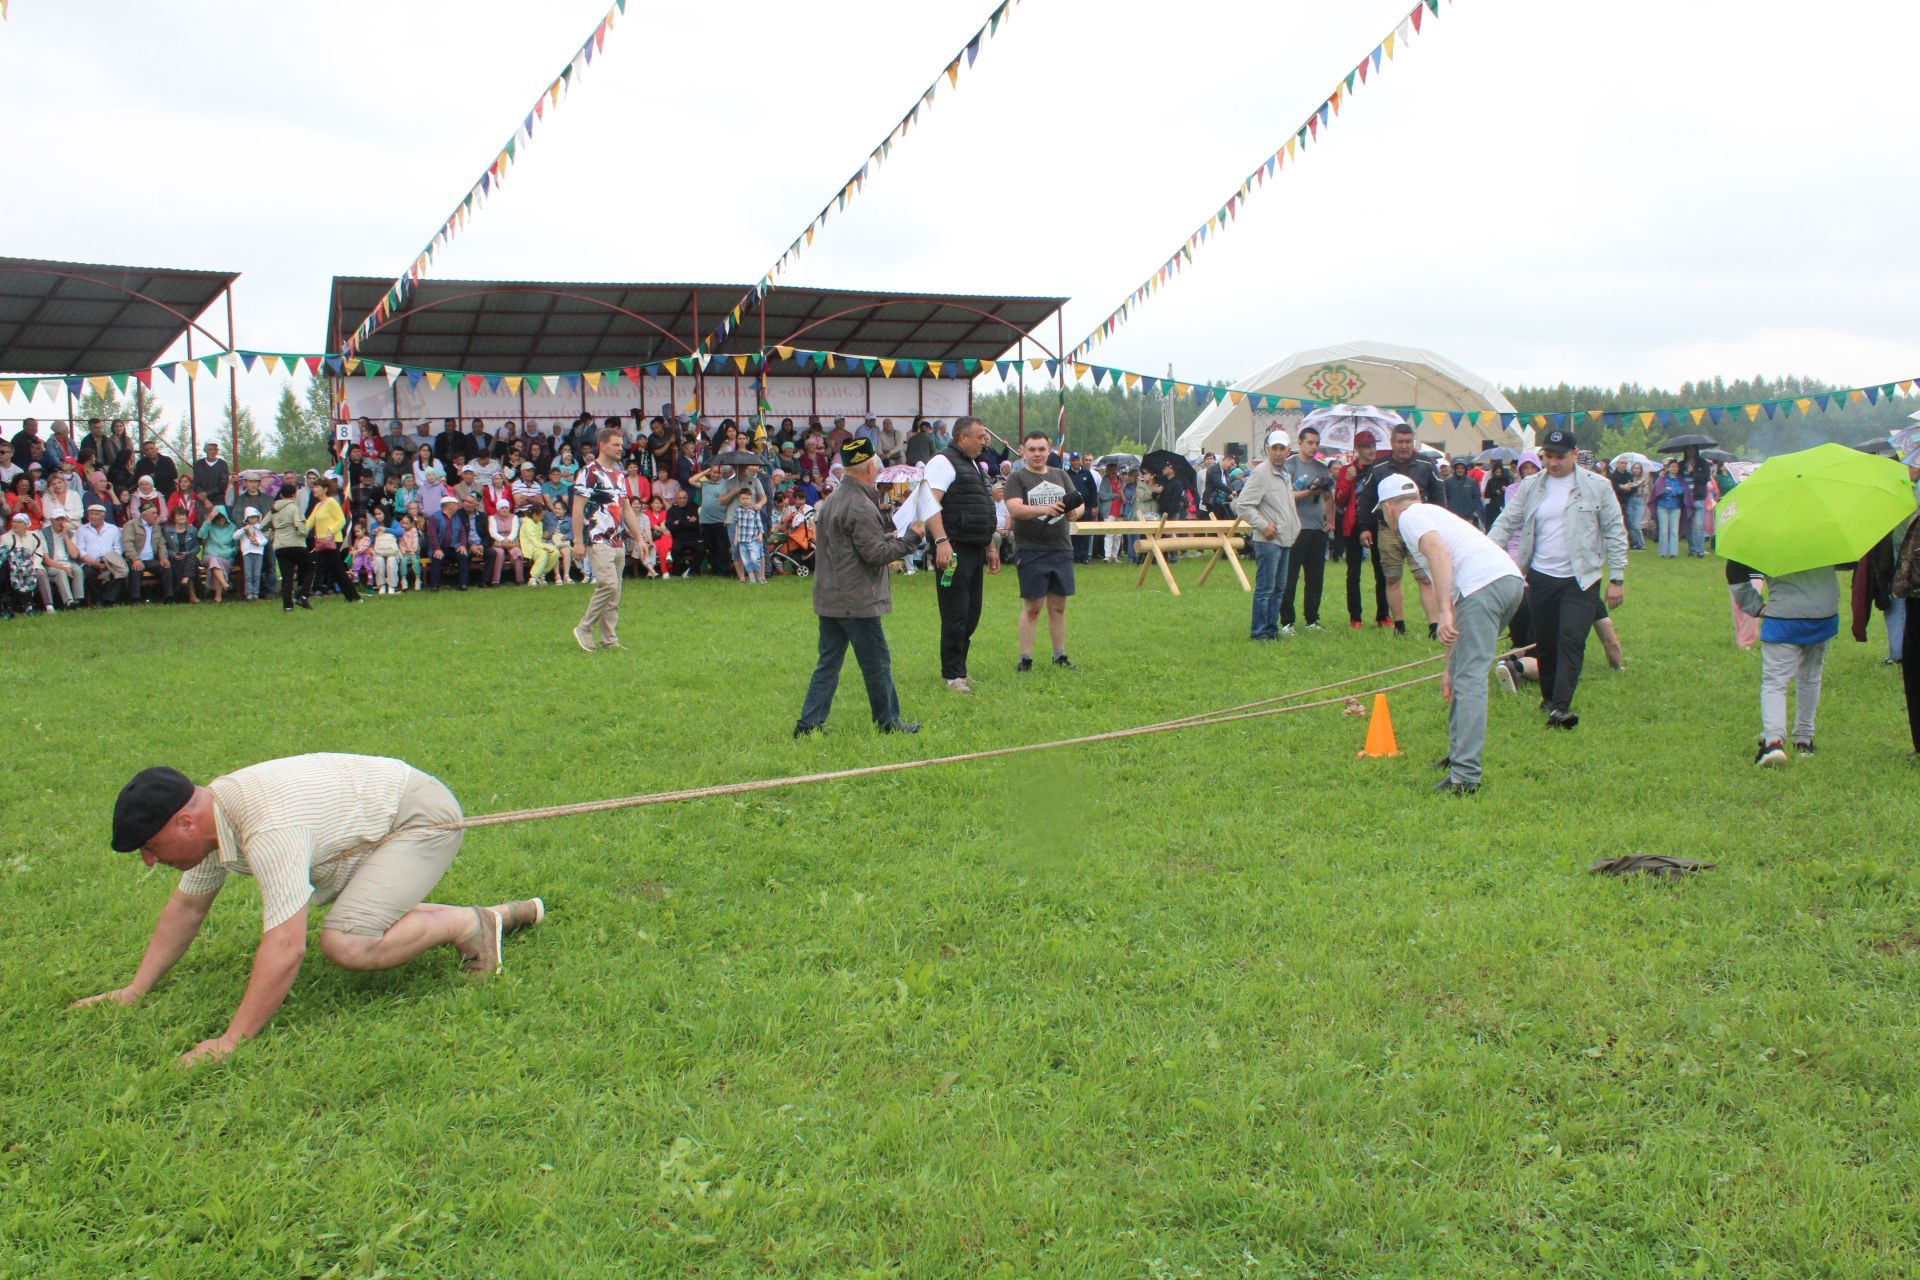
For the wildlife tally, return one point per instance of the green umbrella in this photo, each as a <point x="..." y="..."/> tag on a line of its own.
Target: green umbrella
<point x="1823" y="506"/>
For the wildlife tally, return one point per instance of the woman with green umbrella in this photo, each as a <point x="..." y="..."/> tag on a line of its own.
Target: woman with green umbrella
<point x="1793" y="520"/>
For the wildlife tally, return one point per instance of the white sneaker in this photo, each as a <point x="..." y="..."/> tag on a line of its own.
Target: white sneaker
<point x="959" y="686"/>
<point x="1503" y="672"/>
<point x="1287" y="630"/>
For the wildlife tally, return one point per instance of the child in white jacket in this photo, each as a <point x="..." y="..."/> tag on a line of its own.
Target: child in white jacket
<point x="252" y="541"/>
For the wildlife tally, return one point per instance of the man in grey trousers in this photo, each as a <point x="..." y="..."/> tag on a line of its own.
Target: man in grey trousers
<point x="1476" y="589"/>
<point x="853" y="549"/>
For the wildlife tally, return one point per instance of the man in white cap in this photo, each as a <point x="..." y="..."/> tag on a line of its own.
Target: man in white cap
<point x="1476" y="590"/>
<point x="100" y="554"/>
<point x="1266" y="503"/>
<point x="63" y="561"/>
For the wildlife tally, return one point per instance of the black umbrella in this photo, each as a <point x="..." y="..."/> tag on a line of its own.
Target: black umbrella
<point x="1681" y="443"/>
<point x="1160" y="459"/>
<point x="1125" y="461"/>
<point x="738" y="458"/>
<point x="1717" y="455"/>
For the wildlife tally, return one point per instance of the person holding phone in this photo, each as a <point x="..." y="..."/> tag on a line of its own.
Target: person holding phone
<point x="1312" y="482"/>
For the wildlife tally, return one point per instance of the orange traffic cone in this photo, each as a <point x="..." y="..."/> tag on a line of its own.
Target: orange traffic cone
<point x="1380" y="730"/>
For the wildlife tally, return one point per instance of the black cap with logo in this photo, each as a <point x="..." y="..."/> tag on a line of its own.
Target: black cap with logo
<point x="1559" y="440"/>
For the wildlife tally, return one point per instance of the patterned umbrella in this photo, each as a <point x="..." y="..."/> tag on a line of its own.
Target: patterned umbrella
<point x="1338" y="423"/>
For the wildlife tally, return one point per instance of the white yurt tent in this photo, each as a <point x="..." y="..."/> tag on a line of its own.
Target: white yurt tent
<point x="1376" y="373"/>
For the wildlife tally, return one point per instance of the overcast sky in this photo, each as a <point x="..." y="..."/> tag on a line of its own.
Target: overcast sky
<point x="1646" y="190"/>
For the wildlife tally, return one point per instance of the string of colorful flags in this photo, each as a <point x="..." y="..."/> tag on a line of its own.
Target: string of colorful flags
<point x="490" y="179"/>
<point x="1318" y="122"/>
<point x="856" y="184"/>
<point x="808" y="361"/>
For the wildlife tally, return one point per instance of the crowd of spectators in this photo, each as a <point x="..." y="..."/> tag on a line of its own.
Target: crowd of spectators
<point x="105" y="520"/>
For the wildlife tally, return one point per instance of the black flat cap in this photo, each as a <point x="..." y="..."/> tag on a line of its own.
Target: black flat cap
<point x="146" y="804"/>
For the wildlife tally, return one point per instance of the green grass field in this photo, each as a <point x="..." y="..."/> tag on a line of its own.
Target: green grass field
<point x="1227" y="1002"/>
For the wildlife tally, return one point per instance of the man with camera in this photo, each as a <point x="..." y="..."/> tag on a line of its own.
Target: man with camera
<point x="1313" y="501"/>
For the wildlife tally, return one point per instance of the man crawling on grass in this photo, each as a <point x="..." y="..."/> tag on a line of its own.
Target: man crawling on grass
<point x="368" y="834"/>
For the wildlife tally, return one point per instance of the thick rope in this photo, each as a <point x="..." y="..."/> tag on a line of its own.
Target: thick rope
<point x="1228" y="715"/>
<point x="1207" y="717"/>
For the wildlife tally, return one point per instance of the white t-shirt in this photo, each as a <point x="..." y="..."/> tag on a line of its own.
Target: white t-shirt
<point x="1550" y="527"/>
<point x="1477" y="560"/>
<point x="939" y="473"/>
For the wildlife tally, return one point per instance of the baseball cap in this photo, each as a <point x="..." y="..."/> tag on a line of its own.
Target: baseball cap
<point x="1559" y="440"/>
<point x="1396" y="486"/>
<point x="1278" y="437"/>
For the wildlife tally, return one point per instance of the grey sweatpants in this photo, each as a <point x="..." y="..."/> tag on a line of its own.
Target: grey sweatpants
<point x="1780" y="666"/>
<point x="1480" y="619"/>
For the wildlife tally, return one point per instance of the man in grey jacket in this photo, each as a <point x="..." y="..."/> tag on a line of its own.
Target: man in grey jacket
<point x="853" y="549"/>
<point x="1570" y="534"/>
<point x="1266" y="503"/>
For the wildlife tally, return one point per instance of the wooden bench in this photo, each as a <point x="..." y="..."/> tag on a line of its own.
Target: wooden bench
<point x="1157" y="537"/>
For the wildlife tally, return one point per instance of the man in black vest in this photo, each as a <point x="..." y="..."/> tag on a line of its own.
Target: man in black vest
<point x="963" y="543"/>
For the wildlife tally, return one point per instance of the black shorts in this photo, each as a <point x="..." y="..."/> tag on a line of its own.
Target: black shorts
<point x="1045" y="573"/>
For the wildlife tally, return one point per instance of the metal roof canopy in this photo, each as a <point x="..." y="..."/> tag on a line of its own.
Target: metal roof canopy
<point x="504" y="326"/>
<point x="84" y="317"/>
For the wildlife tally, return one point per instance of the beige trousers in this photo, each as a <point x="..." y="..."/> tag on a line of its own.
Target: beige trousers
<point x="398" y="875"/>
<point x="603" y="610"/>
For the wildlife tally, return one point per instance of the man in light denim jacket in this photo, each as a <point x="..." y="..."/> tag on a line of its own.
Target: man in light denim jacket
<point x="1570" y="534"/>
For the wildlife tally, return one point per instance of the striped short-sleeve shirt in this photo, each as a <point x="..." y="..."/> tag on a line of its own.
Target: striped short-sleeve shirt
<point x="299" y="826"/>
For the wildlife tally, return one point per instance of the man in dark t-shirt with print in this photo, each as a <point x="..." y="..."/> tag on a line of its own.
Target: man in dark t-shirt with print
<point x="1040" y="500"/>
